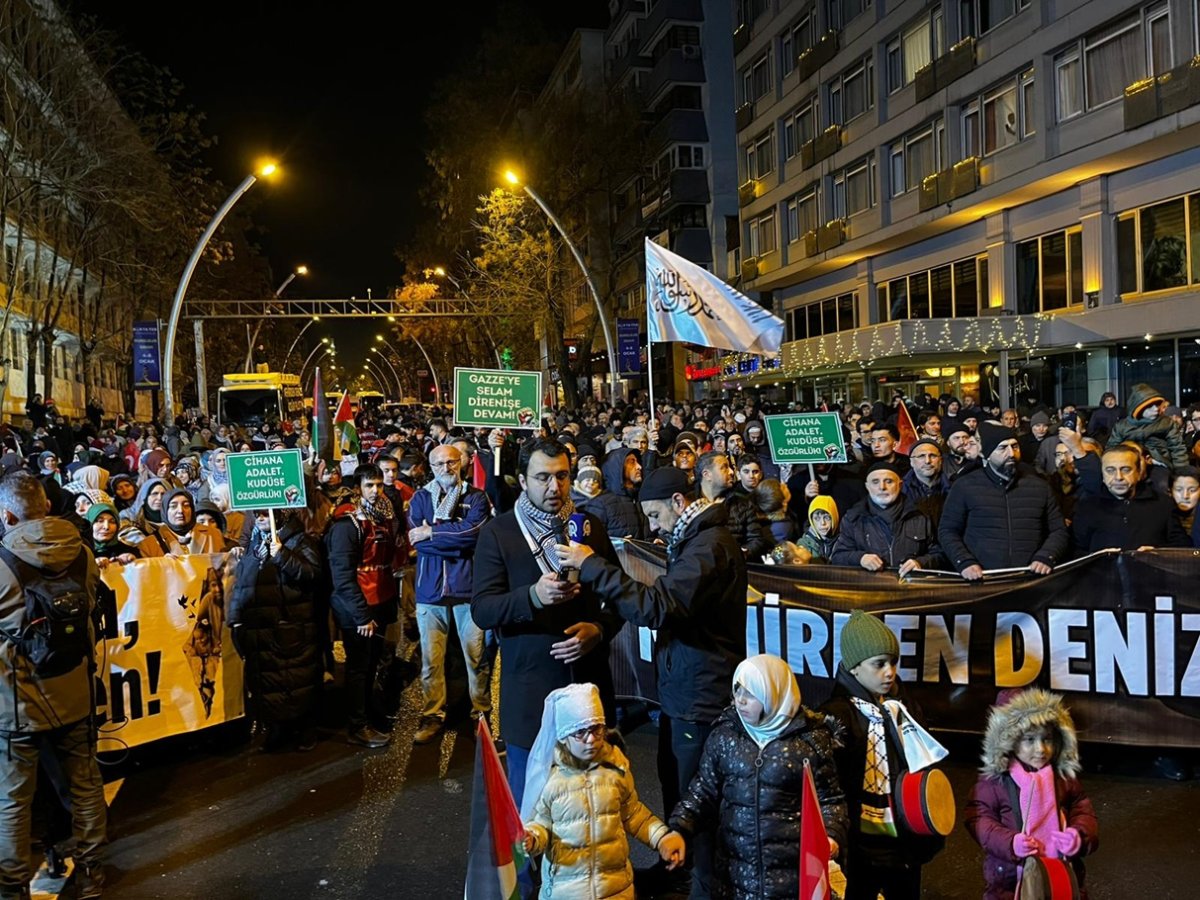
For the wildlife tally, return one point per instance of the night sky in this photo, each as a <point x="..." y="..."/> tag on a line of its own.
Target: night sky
<point x="336" y="92"/>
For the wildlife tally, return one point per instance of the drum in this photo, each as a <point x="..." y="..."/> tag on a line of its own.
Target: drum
<point x="1045" y="878"/>
<point x="924" y="803"/>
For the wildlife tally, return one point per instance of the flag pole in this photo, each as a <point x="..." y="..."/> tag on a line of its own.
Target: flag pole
<point x="650" y="373"/>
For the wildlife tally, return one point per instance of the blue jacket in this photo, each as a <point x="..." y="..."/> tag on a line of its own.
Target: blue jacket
<point x="445" y="561"/>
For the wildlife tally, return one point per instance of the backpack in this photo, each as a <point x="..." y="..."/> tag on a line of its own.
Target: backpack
<point x="54" y="634"/>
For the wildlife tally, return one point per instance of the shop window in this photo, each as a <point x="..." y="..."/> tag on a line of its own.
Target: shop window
<point x="1154" y="244"/>
<point x="1149" y="363"/>
<point x="918" y="296"/>
<point x="941" y="293"/>
<point x="823" y="317"/>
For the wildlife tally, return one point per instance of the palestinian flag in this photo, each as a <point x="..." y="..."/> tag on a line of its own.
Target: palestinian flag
<point x="908" y="431"/>
<point x="343" y="426"/>
<point x="322" y="424"/>
<point x="496" y="853"/>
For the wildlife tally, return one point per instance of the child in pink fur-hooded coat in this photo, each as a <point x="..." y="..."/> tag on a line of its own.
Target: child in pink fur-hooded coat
<point x="1028" y="800"/>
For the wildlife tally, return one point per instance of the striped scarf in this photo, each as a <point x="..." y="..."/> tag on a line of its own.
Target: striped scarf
<point x="445" y="501"/>
<point x="693" y="510"/>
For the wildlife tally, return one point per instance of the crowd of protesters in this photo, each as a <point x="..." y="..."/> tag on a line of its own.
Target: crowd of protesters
<point x="427" y="532"/>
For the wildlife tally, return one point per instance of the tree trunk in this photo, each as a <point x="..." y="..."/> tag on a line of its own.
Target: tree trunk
<point x="31" y="355"/>
<point x="47" y="339"/>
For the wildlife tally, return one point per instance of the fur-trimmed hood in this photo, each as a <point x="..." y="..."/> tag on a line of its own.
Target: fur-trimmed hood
<point x="1032" y="708"/>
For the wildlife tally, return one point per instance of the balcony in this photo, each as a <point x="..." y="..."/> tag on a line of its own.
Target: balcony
<point x="741" y="38"/>
<point x="617" y="68"/>
<point x="692" y="243"/>
<point x="672" y="11"/>
<point x="624" y="8"/>
<point x="681" y="186"/>
<point x="684" y="126"/>
<point x="949" y="184"/>
<point x="823" y="146"/>
<point x="629" y="220"/>
<point x="749" y="269"/>
<point x="743" y="116"/>
<point x="748" y="191"/>
<point x="946" y="69"/>
<point x="818" y="55"/>
<point x="1169" y="93"/>
<point x="675" y="67"/>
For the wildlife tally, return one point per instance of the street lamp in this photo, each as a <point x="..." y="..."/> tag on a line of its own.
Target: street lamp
<point x="326" y="344"/>
<point x="440" y="272"/>
<point x="395" y="374"/>
<point x="614" y="381"/>
<point x="437" y="388"/>
<point x="379" y="376"/>
<point x="265" y="170"/>
<point x="307" y="325"/>
<point x="299" y="270"/>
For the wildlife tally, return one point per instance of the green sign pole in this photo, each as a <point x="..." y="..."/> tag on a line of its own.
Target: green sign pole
<point x="798" y="438"/>
<point x="496" y="398"/>
<point x="266" y="479"/>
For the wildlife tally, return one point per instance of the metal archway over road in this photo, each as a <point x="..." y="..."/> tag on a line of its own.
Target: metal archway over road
<point x="437" y="308"/>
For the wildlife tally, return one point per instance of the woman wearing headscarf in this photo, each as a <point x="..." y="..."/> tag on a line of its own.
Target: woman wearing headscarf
<point x="145" y="512"/>
<point x="179" y="535"/>
<point x="276" y="622"/>
<point x="123" y="490"/>
<point x="751" y="781"/>
<point x="155" y="463"/>
<point x="216" y="472"/>
<point x="186" y="474"/>
<point x="103" y="538"/>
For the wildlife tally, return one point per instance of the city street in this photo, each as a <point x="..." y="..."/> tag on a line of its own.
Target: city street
<point x="197" y="817"/>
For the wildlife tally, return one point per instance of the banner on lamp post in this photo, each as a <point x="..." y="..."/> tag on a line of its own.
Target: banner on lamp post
<point x="629" y="346"/>
<point x="147" y="358"/>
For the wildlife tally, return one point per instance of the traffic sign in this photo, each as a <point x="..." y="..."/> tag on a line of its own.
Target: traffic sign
<point x="266" y="479"/>
<point x="799" y="438"/>
<point x="496" y="398"/>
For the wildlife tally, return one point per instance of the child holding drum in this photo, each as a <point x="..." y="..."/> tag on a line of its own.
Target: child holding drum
<point x="900" y="807"/>
<point x="1028" y="810"/>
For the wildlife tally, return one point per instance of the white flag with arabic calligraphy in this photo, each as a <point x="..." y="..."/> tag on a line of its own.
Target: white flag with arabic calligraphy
<point x="685" y="302"/>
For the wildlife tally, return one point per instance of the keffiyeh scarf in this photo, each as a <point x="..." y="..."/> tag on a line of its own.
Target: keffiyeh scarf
<point x="445" y="501"/>
<point x="380" y="510"/>
<point x="543" y="530"/>
<point x="693" y="510"/>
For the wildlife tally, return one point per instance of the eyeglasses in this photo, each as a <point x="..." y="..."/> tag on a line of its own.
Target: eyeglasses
<point x="448" y="464"/>
<point x="544" y="478"/>
<point x="591" y="733"/>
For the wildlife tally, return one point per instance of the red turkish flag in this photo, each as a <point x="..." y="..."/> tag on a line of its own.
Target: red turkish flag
<point x="814" y="844"/>
<point x="908" y="431"/>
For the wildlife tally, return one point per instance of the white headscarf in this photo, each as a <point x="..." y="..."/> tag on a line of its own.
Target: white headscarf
<point x="567" y="710"/>
<point x="770" y="681"/>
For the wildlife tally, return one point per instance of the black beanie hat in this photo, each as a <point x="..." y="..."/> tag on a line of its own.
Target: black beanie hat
<point x="991" y="435"/>
<point x="663" y="484"/>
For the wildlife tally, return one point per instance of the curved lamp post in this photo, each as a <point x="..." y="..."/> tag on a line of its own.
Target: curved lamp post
<point x="264" y="171"/>
<point x="299" y="270"/>
<point x="395" y="374"/>
<point x="318" y="351"/>
<point x="437" y="387"/>
<point x="379" y="375"/>
<point x="292" y="348"/>
<point x="614" y="381"/>
<point x="441" y="272"/>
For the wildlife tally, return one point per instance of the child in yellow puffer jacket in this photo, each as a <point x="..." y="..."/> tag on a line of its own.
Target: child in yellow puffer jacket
<point x="580" y="803"/>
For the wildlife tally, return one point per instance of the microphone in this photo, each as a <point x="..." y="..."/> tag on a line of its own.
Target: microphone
<point x="578" y="531"/>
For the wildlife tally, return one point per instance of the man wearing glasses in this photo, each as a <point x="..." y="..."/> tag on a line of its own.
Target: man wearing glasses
<point x="552" y="630"/>
<point x="444" y="521"/>
<point x="926" y="485"/>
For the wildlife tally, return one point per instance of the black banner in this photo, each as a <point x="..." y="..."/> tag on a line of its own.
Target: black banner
<point x="1117" y="633"/>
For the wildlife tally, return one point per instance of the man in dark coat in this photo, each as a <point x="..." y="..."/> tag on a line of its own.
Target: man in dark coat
<point x="1002" y="515"/>
<point x="361" y="547"/>
<point x="615" y="506"/>
<point x="885" y="530"/>
<point x="715" y="478"/>
<point x="552" y="630"/>
<point x="1126" y="514"/>
<point x="275" y="619"/>
<point x="926" y="485"/>
<point x="699" y="609"/>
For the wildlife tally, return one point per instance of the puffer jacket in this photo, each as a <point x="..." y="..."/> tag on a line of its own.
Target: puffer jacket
<point x="1160" y="437"/>
<point x="580" y="823"/>
<point x="747" y="526"/>
<point x="275" y="623"/>
<point x="1000" y="525"/>
<point x="29" y="703"/>
<point x="909" y="536"/>
<point x="754" y="798"/>
<point x="994" y="812"/>
<point x="621" y="514"/>
<point x="445" y="571"/>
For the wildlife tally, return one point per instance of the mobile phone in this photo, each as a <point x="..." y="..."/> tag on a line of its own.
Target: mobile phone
<point x="1070" y="420"/>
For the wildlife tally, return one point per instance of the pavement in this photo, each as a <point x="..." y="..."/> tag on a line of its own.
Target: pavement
<point x="209" y="815"/>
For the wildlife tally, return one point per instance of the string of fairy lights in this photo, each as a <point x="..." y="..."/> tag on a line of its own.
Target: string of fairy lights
<point x="892" y="341"/>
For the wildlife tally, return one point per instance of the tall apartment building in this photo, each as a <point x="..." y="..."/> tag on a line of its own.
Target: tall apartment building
<point x="676" y="57"/>
<point x="996" y="197"/>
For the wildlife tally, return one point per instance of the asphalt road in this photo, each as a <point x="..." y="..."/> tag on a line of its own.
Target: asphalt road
<point x="209" y="815"/>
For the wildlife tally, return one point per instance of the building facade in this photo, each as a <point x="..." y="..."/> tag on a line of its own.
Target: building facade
<point x="992" y="197"/>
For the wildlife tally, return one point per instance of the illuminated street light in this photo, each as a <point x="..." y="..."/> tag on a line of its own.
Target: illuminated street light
<point x="299" y="270"/>
<point x="288" y="355"/>
<point x="325" y="344"/>
<point x="266" y="169"/>
<point x="437" y="387"/>
<point x="614" y="381"/>
<point x="395" y="374"/>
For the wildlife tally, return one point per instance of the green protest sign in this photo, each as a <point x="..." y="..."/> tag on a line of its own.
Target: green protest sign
<point x="266" y="479"/>
<point x="495" y="398"/>
<point x="806" y="438"/>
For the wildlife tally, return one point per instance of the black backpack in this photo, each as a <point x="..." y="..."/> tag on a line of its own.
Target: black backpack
<point x="54" y="634"/>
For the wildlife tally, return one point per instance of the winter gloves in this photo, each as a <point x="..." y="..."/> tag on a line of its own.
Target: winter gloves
<point x="1066" y="843"/>
<point x="1024" y="845"/>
